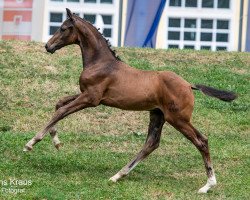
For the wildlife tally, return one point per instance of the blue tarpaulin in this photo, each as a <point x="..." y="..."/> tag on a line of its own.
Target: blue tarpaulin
<point x="143" y="17"/>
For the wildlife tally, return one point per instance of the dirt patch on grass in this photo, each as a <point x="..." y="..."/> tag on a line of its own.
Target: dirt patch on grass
<point x="160" y="194"/>
<point x="51" y="69"/>
<point x="187" y="174"/>
<point x="240" y="71"/>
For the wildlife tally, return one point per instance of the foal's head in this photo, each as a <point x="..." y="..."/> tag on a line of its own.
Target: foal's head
<point x="65" y="35"/>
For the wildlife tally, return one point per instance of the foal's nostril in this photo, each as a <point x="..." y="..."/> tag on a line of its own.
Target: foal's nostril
<point x="46" y="46"/>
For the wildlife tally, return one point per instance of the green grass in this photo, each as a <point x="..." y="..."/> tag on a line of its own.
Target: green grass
<point x="98" y="142"/>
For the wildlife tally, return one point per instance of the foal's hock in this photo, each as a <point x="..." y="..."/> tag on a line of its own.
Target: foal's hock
<point x="107" y="80"/>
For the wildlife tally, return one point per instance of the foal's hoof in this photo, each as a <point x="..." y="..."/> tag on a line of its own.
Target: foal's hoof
<point x="112" y="179"/>
<point x="58" y="146"/>
<point x="211" y="182"/>
<point x="115" y="178"/>
<point x="202" y="191"/>
<point x="27" y="148"/>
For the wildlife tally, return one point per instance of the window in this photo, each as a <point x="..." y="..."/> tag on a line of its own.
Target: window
<point x="207" y="23"/>
<point x="205" y="47"/>
<point x="107" y="1"/>
<point x="57" y="0"/>
<point x="189" y="36"/>
<point x="188" y="47"/>
<point x="207" y="3"/>
<point x="173" y="46"/>
<point x="190" y="23"/>
<point x="222" y="37"/>
<point x="56" y="17"/>
<point x="176" y="3"/>
<point x="206" y="36"/>
<point x="173" y="35"/>
<point x="73" y="0"/>
<point x="221" y="48"/>
<point x="17" y="19"/>
<point x="53" y="29"/>
<point x="107" y="32"/>
<point x="107" y="19"/>
<point x="222" y="24"/>
<point x="90" y="17"/>
<point x="223" y="3"/>
<point x="191" y="3"/>
<point x="174" y="22"/>
<point x="90" y="1"/>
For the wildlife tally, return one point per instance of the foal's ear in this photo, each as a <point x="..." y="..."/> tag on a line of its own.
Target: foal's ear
<point x="69" y="14"/>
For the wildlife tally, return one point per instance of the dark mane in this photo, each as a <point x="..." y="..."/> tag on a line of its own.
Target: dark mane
<point x="102" y="36"/>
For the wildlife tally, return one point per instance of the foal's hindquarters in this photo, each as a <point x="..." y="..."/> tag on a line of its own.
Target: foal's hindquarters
<point x="178" y="108"/>
<point x="175" y="105"/>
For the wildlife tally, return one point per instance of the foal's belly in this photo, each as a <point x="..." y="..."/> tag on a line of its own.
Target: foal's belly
<point x="130" y="104"/>
<point x="132" y="98"/>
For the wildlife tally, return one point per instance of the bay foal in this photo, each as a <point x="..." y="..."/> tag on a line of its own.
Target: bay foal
<point x="108" y="81"/>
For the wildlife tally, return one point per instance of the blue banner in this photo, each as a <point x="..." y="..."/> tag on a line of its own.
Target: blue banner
<point x="143" y="17"/>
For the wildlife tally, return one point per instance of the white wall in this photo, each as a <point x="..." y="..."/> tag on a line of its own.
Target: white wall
<point x="38" y="13"/>
<point x="10" y="28"/>
<point x="1" y="18"/>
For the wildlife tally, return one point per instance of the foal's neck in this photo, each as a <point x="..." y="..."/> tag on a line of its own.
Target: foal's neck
<point x="93" y="46"/>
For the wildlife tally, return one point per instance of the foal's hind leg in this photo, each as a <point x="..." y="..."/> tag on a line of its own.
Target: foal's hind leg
<point x="201" y="143"/>
<point x="53" y="132"/>
<point x="152" y="142"/>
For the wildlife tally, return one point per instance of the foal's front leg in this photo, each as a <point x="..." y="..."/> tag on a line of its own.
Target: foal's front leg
<point x="81" y="102"/>
<point x="53" y="132"/>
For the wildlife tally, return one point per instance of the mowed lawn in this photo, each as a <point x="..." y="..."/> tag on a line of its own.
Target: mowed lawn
<point x="98" y="142"/>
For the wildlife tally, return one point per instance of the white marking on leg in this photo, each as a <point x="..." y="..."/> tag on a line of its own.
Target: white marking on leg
<point x="115" y="177"/>
<point x="123" y="172"/>
<point x="210" y="183"/>
<point x="29" y="145"/>
<point x="56" y="140"/>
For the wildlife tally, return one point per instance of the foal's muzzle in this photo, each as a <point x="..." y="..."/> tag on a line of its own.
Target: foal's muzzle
<point x="49" y="49"/>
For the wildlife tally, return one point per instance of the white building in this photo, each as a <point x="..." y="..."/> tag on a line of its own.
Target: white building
<point x="194" y="24"/>
<point x="203" y="24"/>
<point x="48" y="15"/>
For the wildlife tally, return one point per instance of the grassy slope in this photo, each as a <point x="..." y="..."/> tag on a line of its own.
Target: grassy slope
<point x="99" y="141"/>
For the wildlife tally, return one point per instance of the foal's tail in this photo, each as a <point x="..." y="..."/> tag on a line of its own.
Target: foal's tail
<point x="219" y="94"/>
